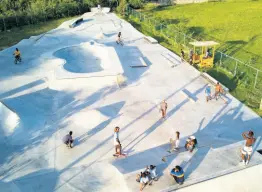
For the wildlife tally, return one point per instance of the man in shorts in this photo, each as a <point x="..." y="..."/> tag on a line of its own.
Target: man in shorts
<point x="68" y="140"/>
<point x="163" y="108"/>
<point x="117" y="143"/>
<point x="119" y="40"/>
<point x="175" y="142"/>
<point x="219" y="91"/>
<point x="247" y="149"/>
<point x="208" y="93"/>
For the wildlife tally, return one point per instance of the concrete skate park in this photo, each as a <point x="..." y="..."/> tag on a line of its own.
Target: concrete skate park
<point x="78" y="79"/>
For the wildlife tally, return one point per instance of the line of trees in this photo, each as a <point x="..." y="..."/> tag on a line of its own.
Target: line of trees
<point x="15" y="13"/>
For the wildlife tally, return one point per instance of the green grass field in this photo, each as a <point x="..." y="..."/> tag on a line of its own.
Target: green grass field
<point x="236" y="25"/>
<point x="17" y="34"/>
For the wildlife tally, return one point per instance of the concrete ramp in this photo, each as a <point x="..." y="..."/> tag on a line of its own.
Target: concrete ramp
<point x="9" y="120"/>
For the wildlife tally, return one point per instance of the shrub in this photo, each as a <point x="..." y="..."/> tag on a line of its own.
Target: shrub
<point x="121" y="9"/>
<point x="136" y="4"/>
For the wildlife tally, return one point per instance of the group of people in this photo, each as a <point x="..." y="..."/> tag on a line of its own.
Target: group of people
<point x="149" y="174"/>
<point x="207" y="55"/>
<point x="190" y="145"/>
<point x="219" y="92"/>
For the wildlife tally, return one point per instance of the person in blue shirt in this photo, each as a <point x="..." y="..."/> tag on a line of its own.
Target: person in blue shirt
<point x="178" y="174"/>
<point x="208" y="93"/>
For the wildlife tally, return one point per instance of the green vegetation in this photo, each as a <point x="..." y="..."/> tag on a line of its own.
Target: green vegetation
<point x="14" y="13"/>
<point x="236" y="25"/>
<point x="9" y="38"/>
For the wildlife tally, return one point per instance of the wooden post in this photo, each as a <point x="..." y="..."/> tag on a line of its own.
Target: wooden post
<point x="261" y="104"/>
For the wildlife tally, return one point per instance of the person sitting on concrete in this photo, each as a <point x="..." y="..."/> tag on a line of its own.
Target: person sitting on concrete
<point x="144" y="180"/>
<point x="68" y="140"/>
<point x="178" y="174"/>
<point x="191" y="143"/>
<point x="118" y="40"/>
<point x="17" y="55"/>
<point x="152" y="172"/>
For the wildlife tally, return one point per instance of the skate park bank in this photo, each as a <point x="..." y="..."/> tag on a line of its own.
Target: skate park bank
<point x="79" y="79"/>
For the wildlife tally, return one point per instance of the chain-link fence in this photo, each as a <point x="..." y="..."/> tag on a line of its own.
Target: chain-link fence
<point x="250" y="76"/>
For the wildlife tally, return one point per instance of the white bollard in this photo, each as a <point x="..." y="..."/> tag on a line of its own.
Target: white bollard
<point x="261" y="104"/>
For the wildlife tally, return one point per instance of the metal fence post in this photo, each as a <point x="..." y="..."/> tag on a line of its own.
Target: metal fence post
<point x="235" y="72"/>
<point x="256" y="79"/>
<point x="4" y="23"/>
<point x="220" y="58"/>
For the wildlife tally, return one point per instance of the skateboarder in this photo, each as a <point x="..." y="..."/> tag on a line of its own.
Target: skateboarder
<point x="117" y="143"/>
<point x="178" y="174"/>
<point x="68" y="140"/>
<point x="163" y="108"/>
<point x="208" y="93"/>
<point x="247" y="149"/>
<point x="219" y="92"/>
<point x="118" y="40"/>
<point x="17" y="55"/>
<point x="175" y="143"/>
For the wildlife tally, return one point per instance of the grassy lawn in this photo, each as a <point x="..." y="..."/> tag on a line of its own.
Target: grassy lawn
<point x="15" y="35"/>
<point x="237" y="26"/>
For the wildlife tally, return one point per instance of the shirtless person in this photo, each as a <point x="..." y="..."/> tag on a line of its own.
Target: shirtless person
<point x="163" y="108"/>
<point x="247" y="149"/>
<point x="117" y="143"/>
<point x="219" y="91"/>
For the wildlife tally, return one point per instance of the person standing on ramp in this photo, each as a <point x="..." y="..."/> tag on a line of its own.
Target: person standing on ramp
<point x="247" y="149"/>
<point x="163" y="108"/>
<point x="117" y="144"/>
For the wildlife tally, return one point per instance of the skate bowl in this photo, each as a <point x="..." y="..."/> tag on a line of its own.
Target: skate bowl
<point x="9" y="120"/>
<point x="88" y="60"/>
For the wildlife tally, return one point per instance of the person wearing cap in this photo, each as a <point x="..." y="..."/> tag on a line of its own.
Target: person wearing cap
<point x="191" y="143"/>
<point x="178" y="174"/>
<point x="208" y="93"/>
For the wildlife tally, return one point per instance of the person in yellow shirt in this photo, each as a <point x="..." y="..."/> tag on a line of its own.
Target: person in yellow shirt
<point x="17" y="55"/>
